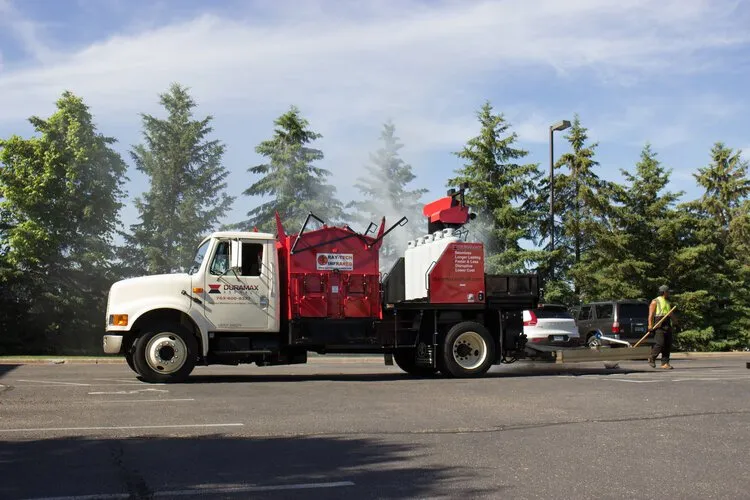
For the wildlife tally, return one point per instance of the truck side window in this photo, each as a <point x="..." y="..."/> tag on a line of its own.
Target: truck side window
<point x="252" y="259"/>
<point x="220" y="262"/>
<point x="585" y="313"/>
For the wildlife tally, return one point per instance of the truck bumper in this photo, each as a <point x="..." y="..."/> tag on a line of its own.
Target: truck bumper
<point x="112" y="344"/>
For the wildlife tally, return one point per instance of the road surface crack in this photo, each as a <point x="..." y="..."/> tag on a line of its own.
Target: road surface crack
<point x="134" y="481"/>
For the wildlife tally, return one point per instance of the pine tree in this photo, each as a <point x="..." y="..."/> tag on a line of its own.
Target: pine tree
<point x="739" y="248"/>
<point x="61" y="195"/>
<point x="633" y="245"/>
<point x="187" y="193"/>
<point x="500" y="192"/>
<point x="295" y="185"/>
<point x="384" y="194"/>
<point x="710" y="266"/>
<point x="583" y="200"/>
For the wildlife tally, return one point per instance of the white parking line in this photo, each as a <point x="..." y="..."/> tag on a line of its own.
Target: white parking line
<point x="136" y="391"/>
<point x="30" y="383"/>
<point x="710" y="378"/>
<point x="122" y="428"/>
<point x="131" y="381"/>
<point x="683" y="379"/>
<point x="111" y="496"/>
<point x="211" y="491"/>
<point x="54" y="382"/>
<point x="144" y="400"/>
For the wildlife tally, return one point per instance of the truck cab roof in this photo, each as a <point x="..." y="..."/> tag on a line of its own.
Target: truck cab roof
<point x="249" y="235"/>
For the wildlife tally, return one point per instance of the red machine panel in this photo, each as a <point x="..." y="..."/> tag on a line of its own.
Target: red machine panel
<point x="447" y="210"/>
<point x="458" y="276"/>
<point x="332" y="272"/>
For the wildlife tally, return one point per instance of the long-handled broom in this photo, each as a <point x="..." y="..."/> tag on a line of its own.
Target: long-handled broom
<point x="656" y="326"/>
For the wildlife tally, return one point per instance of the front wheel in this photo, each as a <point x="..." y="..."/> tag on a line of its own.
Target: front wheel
<point x="165" y="353"/>
<point x="130" y="362"/>
<point x="406" y="359"/>
<point x="468" y="351"/>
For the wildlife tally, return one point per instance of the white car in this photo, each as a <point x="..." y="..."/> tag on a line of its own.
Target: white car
<point x="550" y="324"/>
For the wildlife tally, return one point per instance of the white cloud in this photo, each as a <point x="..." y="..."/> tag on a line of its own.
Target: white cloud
<point x="399" y="61"/>
<point x="424" y="64"/>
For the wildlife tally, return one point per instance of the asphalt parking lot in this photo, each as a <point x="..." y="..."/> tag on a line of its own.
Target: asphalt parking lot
<point x="368" y="431"/>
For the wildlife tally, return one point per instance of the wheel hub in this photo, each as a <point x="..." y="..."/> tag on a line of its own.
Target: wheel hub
<point x="463" y="350"/>
<point x="470" y="350"/>
<point x="166" y="353"/>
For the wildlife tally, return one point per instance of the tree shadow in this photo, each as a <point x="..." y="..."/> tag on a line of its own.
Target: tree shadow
<point x="147" y="467"/>
<point x="7" y="368"/>
<point x="517" y="372"/>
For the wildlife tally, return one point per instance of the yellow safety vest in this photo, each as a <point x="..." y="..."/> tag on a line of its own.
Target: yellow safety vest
<point x="662" y="306"/>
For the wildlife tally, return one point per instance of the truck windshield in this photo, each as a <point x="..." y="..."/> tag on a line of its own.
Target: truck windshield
<point x="199" y="255"/>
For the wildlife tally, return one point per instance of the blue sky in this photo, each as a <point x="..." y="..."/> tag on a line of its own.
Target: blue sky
<point x="674" y="73"/>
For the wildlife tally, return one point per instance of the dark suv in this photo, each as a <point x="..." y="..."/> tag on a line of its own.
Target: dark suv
<point x="620" y="319"/>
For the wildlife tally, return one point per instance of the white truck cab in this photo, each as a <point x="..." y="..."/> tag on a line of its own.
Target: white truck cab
<point x="163" y="323"/>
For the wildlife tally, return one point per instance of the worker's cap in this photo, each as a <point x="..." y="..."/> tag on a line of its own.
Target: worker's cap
<point x="664" y="288"/>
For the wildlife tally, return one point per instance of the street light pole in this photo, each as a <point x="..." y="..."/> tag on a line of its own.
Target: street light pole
<point x="561" y="125"/>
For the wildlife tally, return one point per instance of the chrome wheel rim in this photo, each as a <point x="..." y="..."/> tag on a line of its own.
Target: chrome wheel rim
<point x="469" y="350"/>
<point x="166" y="353"/>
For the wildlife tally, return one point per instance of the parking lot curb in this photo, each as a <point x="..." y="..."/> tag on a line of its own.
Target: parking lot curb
<point x="61" y="361"/>
<point x="317" y="360"/>
<point x="709" y="355"/>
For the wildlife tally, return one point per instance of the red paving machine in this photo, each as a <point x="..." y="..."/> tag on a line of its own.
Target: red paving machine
<point x="253" y="297"/>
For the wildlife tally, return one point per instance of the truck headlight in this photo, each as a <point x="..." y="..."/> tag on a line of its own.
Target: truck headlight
<point x="118" y="320"/>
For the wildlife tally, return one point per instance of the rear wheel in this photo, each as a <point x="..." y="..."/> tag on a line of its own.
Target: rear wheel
<point x="165" y="353"/>
<point x="406" y="359"/>
<point x="468" y="351"/>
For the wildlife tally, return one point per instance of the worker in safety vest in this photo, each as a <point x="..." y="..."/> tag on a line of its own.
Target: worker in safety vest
<point x="659" y="308"/>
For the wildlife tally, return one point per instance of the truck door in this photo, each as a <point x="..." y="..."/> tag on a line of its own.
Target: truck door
<point x="239" y="282"/>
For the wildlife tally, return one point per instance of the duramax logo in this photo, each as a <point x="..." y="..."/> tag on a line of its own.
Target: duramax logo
<point x="239" y="288"/>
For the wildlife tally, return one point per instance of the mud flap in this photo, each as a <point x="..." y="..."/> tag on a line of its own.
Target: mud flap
<point x="425" y="355"/>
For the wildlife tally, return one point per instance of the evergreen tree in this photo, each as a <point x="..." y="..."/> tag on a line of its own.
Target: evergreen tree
<point x="582" y="201"/>
<point x="710" y="266"/>
<point x="500" y="190"/>
<point x="633" y="245"/>
<point x="739" y="245"/>
<point x="295" y="185"/>
<point x="187" y="193"/>
<point x="384" y="193"/>
<point x="61" y="195"/>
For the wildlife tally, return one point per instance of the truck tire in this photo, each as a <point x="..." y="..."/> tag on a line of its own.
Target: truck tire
<point x="129" y="361"/>
<point x="468" y="351"/>
<point x="165" y="353"/>
<point x="406" y="360"/>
